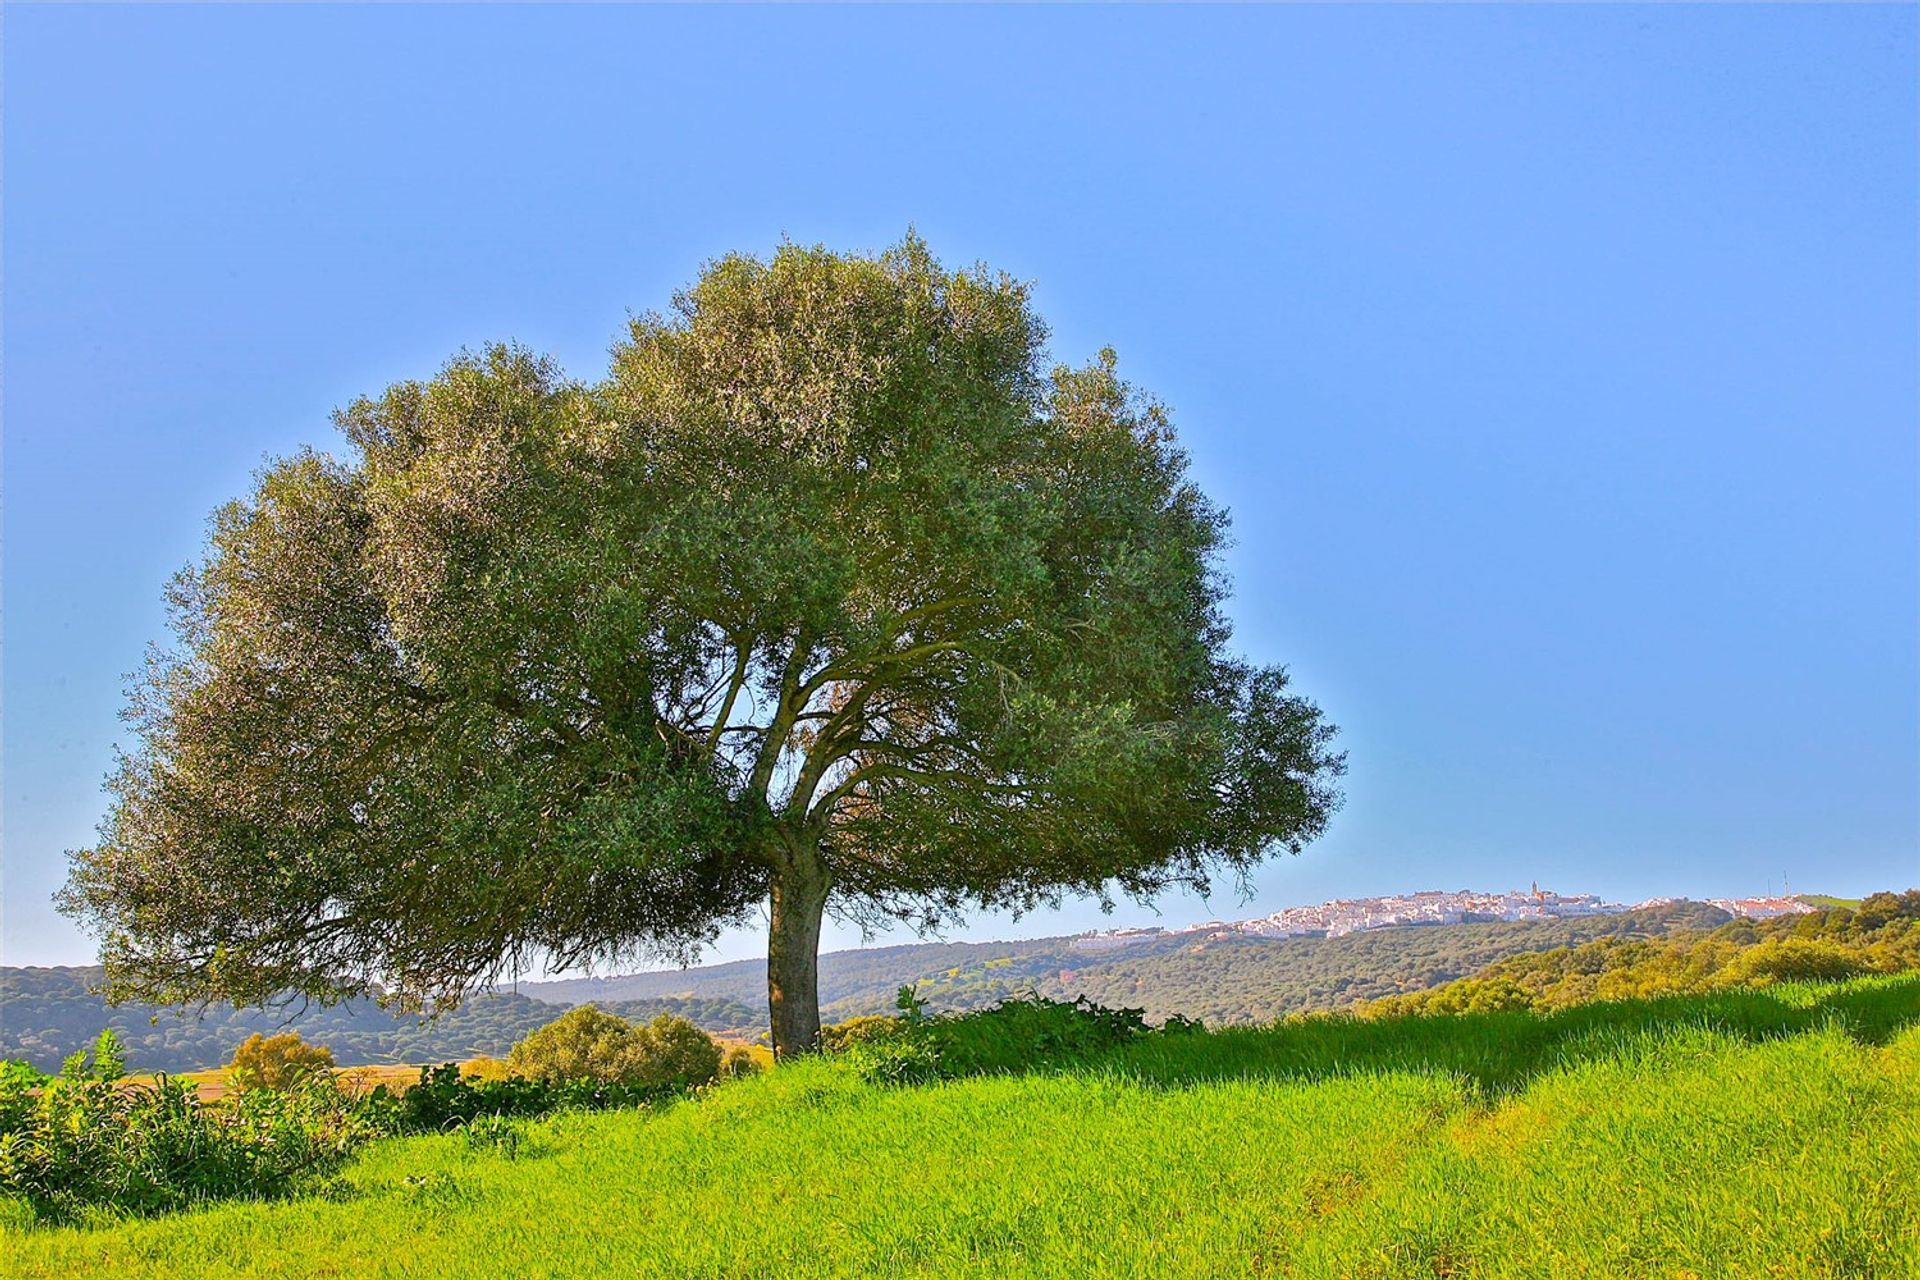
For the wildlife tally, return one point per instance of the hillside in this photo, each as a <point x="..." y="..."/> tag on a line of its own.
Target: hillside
<point x="1878" y="934"/>
<point x="1235" y="979"/>
<point x="47" y="1013"/>
<point x="1755" y="1133"/>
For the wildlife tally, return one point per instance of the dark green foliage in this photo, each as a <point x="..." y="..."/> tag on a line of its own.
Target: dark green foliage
<point x="69" y="1144"/>
<point x="589" y="1044"/>
<point x="834" y="588"/>
<point x="1018" y="1035"/>
<point x="81" y="1141"/>
<point x="446" y="1099"/>
<point x="76" y="1145"/>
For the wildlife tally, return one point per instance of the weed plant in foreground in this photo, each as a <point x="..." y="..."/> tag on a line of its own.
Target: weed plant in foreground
<point x="1760" y="1134"/>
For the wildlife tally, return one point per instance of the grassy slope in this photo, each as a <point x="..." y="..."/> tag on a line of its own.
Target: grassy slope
<point x="1741" y="1135"/>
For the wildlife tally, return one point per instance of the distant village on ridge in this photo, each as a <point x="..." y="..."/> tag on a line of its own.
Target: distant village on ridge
<point x="1433" y="906"/>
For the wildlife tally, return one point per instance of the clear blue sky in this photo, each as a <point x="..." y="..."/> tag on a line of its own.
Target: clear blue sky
<point x="1558" y="364"/>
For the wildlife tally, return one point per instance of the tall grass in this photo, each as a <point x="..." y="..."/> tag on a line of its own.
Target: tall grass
<point x="1748" y="1135"/>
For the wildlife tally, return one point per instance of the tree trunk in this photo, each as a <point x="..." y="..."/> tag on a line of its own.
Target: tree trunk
<point x="800" y="884"/>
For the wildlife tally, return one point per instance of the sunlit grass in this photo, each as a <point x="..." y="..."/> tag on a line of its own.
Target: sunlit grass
<point x="1746" y="1135"/>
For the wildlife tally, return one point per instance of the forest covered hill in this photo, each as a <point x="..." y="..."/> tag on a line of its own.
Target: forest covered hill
<point x="1218" y="979"/>
<point x="48" y="1013"/>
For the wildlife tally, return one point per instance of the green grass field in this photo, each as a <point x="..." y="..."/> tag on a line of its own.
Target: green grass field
<point x="1745" y="1135"/>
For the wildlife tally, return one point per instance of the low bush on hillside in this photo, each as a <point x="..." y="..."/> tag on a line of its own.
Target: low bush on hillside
<point x="1022" y="1034"/>
<point x="837" y="1037"/>
<point x="277" y="1062"/>
<point x="587" y="1044"/>
<point x="1794" y="960"/>
<point x="84" y="1139"/>
<point x="86" y="1142"/>
<point x="445" y="1099"/>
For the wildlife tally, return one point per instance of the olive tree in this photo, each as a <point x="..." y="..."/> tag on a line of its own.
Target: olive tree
<point x="832" y="595"/>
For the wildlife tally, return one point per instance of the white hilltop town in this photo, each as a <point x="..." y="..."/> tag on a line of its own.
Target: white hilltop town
<point x="1433" y="906"/>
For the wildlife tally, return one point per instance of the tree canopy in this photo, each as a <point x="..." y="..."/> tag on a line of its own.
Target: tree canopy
<point x="832" y="594"/>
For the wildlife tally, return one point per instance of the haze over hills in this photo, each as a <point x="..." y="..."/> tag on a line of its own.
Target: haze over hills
<point x="1297" y="959"/>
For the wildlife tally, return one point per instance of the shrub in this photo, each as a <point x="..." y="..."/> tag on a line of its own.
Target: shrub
<point x="1016" y="1035"/>
<point x="80" y="1142"/>
<point x="277" y="1062"/>
<point x="868" y="1027"/>
<point x="588" y="1044"/>
<point x="1496" y="994"/>
<point x="582" y="1044"/>
<point x="445" y="1099"/>
<point x="73" y="1142"/>
<point x="109" y="1060"/>
<point x="673" y="1053"/>
<point x="1794" y="960"/>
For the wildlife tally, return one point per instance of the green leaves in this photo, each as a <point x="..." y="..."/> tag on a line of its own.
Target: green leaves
<point x="832" y="577"/>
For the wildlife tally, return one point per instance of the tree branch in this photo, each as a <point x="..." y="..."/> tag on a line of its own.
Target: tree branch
<point x="793" y="699"/>
<point x="743" y="651"/>
<point x="924" y="777"/>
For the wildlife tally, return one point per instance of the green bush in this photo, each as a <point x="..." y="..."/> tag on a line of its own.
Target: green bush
<point x="73" y="1142"/>
<point x="581" y="1044"/>
<point x="1021" y="1034"/>
<point x="84" y="1143"/>
<point x="109" y="1061"/>
<point x="588" y="1044"/>
<point x="446" y="1099"/>
<point x="675" y="1054"/>
<point x="76" y="1144"/>
<point x="868" y="1027"/>
<point x="1794" y="960"/>
<point x="277" y="1062"/>
<point x="1497" y="994"/>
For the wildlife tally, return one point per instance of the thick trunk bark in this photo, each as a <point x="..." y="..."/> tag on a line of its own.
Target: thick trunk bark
<point x="800" y="885"/>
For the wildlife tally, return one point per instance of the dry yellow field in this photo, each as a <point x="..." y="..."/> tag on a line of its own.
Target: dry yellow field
<point x="397" y="1076"/>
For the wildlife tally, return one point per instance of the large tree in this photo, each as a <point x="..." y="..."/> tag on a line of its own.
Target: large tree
<point x="832" y="595"/>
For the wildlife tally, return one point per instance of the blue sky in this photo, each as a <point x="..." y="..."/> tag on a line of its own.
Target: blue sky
<point x="1557" y="363"/>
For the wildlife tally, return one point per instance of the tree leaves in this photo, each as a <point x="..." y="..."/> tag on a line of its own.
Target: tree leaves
<point x="831" y="566"/>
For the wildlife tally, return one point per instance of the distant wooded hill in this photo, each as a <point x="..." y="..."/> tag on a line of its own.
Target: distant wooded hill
<point x="46" y="1014"/>
<point x="1230" y="979"/>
